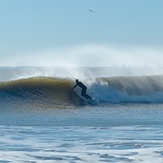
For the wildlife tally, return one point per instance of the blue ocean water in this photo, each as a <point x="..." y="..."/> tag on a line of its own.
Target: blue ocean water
<point x="106" y="115"/>
<point x="39" y="122"/>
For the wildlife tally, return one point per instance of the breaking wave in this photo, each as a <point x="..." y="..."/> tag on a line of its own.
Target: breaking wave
<point x="57" y="91"/>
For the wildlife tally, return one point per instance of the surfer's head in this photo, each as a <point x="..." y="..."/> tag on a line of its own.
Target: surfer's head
<point x="77" y="80"/>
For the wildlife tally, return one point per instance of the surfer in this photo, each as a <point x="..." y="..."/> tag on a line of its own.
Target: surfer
<point x="84" y="88"/>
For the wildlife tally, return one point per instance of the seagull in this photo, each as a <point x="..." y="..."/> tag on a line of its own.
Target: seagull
<point x="91" y="11"/>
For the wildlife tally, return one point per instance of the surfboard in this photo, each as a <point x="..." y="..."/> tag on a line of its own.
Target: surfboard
<point x="93" y="101"/>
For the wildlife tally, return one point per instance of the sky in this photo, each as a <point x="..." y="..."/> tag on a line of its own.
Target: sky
<point x="66" y="33"/>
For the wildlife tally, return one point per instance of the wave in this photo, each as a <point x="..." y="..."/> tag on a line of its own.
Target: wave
<point x="57" y="92"/>
<point x="136" y="89"/>
<point x="38" y="90"/>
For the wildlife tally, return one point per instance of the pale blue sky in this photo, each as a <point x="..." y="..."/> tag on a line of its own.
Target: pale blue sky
<point x="48" y="28"/>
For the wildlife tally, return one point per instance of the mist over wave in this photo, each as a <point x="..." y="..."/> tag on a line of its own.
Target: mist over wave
<point x="89" y="55"/>
<point x="15" y="73"/>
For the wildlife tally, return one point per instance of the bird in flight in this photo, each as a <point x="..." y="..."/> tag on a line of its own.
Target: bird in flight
<point x="91" y="11"/>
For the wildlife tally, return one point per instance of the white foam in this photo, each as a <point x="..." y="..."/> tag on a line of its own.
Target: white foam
<point x="81" y="144"/>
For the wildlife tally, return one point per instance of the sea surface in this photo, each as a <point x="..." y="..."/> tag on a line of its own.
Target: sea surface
<point x="43" y="120"/>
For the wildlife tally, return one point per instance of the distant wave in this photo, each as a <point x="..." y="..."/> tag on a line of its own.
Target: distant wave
<point x="57" y="91"/>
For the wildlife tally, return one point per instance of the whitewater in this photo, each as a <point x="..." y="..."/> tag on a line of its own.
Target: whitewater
<point x="43" y="120"/>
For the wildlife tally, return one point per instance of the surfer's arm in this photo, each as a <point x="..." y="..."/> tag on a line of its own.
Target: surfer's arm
<point x="74" y="86"/>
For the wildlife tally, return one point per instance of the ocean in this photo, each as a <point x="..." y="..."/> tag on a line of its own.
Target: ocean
<point x="43" y="120"/>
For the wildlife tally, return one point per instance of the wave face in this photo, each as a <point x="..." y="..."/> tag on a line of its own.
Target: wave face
<point x="42" y="91"/>
<point x="56" y="92"/>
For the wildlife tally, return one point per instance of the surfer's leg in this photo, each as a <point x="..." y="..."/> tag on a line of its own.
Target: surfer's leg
<point x="83" y="93"/>
<point x="88" y="97"/>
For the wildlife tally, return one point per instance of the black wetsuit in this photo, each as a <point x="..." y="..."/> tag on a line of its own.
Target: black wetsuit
<point x="84" y="89"/>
